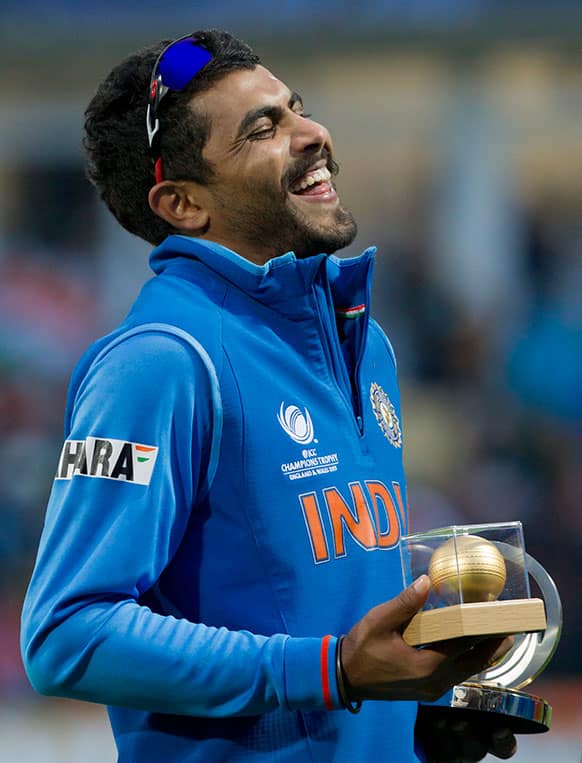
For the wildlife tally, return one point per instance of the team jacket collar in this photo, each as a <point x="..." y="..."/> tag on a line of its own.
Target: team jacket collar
<point x="282" y="283"/>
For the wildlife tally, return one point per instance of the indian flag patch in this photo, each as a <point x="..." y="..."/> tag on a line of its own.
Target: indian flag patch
<point x="350" y="312"/>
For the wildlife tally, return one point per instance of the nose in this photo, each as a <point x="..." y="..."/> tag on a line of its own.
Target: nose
<point x="309" y="137"/>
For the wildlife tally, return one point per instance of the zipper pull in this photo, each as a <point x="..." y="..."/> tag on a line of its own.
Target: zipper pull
<point x="360" y="423"/>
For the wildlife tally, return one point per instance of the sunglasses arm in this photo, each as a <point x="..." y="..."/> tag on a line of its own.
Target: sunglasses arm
<point x="152" y="129"/>
<point x="157" y="91"/>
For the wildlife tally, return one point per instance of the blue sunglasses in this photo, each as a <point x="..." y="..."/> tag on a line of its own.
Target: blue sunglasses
<point x="175" y="68"/>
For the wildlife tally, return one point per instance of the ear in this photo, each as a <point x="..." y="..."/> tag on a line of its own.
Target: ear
<point x="182" y="204"/>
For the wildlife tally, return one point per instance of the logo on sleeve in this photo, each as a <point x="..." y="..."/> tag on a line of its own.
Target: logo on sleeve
<point x="107" y="459"/>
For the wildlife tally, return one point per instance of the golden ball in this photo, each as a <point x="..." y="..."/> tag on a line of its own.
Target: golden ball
<point x="476" y="568"/>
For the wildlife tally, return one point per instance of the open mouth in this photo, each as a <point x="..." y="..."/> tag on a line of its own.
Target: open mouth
<point x="314" y="182"/>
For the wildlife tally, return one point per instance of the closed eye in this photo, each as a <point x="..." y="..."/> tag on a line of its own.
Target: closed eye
<point x="265" y="132"/>
<point x="273" y="113"/>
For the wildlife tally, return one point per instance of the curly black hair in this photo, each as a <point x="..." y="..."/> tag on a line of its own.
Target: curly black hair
<point x="119" y="162"/>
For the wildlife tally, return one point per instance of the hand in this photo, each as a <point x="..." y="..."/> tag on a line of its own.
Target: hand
<point x="378" y="663"/>
<point x="446" y="739"/>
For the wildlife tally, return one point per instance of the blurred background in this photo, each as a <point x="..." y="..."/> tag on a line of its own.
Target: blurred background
<point x="458" y="128"/>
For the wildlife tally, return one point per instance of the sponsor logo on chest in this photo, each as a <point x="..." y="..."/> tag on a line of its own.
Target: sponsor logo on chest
<point x="106" y="458"/>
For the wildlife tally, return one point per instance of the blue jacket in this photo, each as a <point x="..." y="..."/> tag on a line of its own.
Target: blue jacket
<point x="229" y="500"/>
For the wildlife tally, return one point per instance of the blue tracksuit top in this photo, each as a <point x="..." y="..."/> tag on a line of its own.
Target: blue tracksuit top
<point x="228" y="501"/>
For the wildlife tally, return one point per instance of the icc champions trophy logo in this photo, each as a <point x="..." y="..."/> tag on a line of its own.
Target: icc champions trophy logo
<point x="296" y="423"/>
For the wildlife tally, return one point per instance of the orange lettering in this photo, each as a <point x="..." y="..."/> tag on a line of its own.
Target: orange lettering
<point x="359" y="526"/>
<point x="314" y="527"/>
<point x="379" y="493"/>
<point x="400" y="502"/>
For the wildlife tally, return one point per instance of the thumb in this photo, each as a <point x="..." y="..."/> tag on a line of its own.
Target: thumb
<point x="403" y="607"/>
<point x="411" y="599"/>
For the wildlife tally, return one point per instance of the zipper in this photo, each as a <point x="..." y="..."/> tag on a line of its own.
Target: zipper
<point x="358" y="402"/>
<point x="329" y="337"/>
<point x="357" y="394"/>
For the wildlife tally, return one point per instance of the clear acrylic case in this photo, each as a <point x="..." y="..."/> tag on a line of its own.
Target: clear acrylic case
<point x="468" y="563"/>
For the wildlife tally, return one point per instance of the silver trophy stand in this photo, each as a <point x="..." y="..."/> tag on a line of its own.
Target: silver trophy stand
<point x="495" y="693"/>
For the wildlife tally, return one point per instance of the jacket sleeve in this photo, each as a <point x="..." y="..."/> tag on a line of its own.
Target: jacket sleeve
<point x="134" y="464"/>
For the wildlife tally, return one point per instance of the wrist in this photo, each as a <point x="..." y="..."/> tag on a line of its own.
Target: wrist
<point x="342" y="682"/>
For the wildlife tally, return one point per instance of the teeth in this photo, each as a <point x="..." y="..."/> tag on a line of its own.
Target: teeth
<point x="319" y="176"/>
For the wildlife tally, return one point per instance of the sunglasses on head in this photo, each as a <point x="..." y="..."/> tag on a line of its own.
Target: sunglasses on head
<point x="174" y="69"/>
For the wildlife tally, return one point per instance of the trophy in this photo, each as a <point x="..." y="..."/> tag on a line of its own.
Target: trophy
<point x="480" y="587"/>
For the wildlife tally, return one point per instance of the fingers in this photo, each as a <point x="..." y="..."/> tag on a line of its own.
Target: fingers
<point x="472" y="742"/>
<point x="455" y="647"/>
<point x="466" y="657"/>
<point x="469" y="745"/>
<point x="484" y="654"/>
<point x="446" y="738"/>
<point x="440" y="745"/>
<point x="503" y="744"/>
<point x="502" y="649"/>
<point x="442" y="669"/>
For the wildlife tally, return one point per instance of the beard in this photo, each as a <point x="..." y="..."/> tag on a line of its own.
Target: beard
<point x="310" y="238"/>
<point x="265" y="217"/>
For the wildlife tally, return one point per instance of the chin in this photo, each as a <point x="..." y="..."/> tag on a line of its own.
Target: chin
<point x="315" y="228"/>
<point x="325" y="242"/>
<point x="340" y="233"/>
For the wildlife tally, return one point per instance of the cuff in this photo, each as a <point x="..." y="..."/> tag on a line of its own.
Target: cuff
<point x="310" y="678"/>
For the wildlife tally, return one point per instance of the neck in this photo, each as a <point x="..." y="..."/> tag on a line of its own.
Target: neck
<point x="254" y="252"/>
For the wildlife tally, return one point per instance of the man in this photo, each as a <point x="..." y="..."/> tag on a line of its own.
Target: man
<point x="230" y="494"/>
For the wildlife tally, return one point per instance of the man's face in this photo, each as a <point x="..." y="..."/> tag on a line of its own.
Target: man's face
<point x="272" y="190"/>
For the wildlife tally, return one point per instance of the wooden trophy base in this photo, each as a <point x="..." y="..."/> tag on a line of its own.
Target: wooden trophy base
<point x="490" y="618"/>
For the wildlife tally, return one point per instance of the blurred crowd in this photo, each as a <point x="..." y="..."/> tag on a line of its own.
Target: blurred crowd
<point x="49" y="311"/>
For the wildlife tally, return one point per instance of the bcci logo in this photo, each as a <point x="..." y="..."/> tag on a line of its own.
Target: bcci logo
<point x="296" y="423"/>
<point x="385" y="414"/>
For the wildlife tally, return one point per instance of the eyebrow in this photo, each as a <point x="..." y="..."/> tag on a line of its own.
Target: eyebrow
<point x="273" y="112"/>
